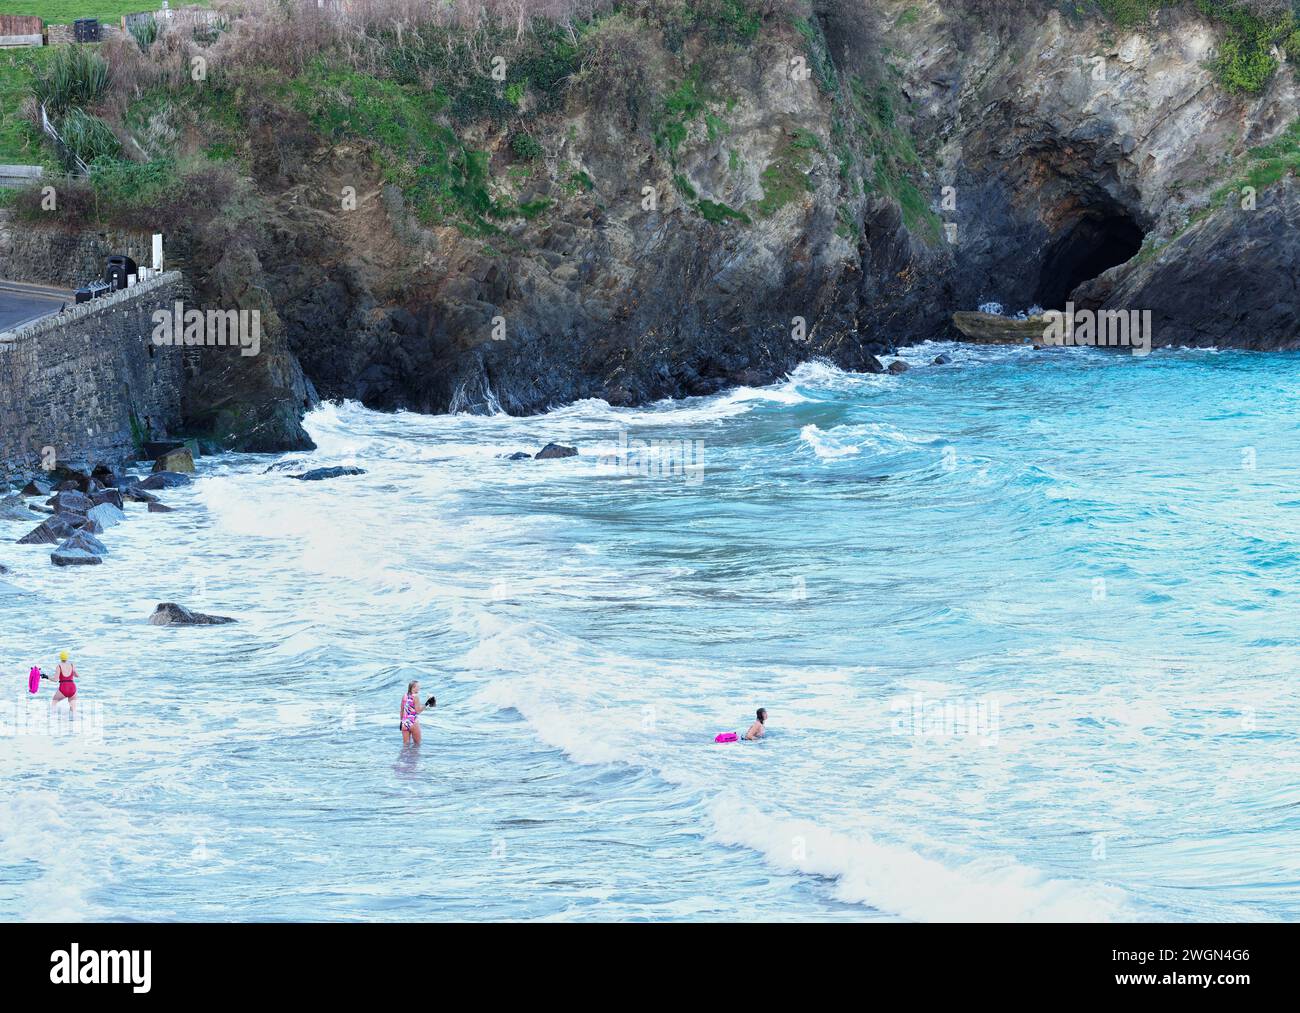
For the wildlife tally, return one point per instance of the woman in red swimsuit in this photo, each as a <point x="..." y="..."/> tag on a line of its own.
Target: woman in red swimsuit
<point x="66" y="672"/>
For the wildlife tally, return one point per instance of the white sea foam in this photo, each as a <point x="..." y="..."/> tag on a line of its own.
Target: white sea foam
<point x="827" y="448"/>
<point x="896" y="879"/>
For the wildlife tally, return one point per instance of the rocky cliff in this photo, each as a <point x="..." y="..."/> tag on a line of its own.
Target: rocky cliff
<point x="657" y="200"/>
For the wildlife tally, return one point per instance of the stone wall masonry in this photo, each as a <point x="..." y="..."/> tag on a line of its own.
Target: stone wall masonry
<point x="89" y="382"/>
<point x="64" y="259"/>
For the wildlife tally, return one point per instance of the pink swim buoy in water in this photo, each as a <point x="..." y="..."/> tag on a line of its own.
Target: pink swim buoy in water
<point x="726" y="737"/>
<point x="33" y="680"/>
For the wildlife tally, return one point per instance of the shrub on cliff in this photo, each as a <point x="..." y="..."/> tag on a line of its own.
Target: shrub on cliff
<point x="75" y="76"/>
<point x="88" y="137"/>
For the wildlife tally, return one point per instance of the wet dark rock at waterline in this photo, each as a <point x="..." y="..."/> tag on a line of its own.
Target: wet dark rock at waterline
<point x="74" y="557"/>
<point x="84" y="541"/>
<point x="36" y="487"/>
<point x="54" y="530"/>
<point x="554" y="451"/>
<point x="12" y="508"/>
<point x="105" y="515"/>
<point x="163" y="480"/>
<point x="70" y="502"/>
<point x="320" y="474"/>
<point x="168" y="613"/>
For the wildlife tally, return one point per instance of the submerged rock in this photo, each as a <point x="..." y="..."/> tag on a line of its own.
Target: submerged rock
<point x="898" y="366"/>
<point x="163" y="480"/>
<point x="158" y="508"/>
<point x="519" y="455"/>
<point x="168" y="613"/>
<point x="319" y="474"/>
<point x="552" y="451"/>
<point x="942" y="359"/>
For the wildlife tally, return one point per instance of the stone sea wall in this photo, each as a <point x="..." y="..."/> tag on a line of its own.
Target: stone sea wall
<point x="89" y="382"/>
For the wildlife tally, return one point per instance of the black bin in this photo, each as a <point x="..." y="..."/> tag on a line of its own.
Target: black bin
<point x="93" y="291"/>
<point x="117" y="271"/>
<point x="86" y="29"/>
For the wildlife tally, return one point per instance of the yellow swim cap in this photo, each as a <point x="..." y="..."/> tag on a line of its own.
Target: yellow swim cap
<point x="63" y="655"/>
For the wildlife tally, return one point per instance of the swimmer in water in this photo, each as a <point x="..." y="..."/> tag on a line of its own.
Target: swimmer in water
<point x="756" y="729"/>
<point x="411" y="711"/>
<point x="67" y="676"/>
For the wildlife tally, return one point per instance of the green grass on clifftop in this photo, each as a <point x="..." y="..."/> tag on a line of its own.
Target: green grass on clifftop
<point x="64" y="12"/>
<point x="20" y="141"/>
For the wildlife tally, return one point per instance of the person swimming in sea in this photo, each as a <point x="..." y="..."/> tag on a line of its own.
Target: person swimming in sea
<point x="411" y="711"/>
<point x="757" y="728"/>
<point x="66" y="673"/>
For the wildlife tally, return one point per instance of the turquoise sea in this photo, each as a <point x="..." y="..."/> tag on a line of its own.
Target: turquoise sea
<point x="1025" y="625"/>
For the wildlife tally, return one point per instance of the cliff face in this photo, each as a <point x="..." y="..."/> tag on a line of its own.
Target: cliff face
<point x="936" y="158"/>
<point x="665" y="204"/>
<point x="1076" y="150"/>
<point x="696" y="231"/>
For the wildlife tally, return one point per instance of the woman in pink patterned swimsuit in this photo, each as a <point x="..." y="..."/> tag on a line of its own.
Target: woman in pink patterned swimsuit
<point x="411" y="711"/>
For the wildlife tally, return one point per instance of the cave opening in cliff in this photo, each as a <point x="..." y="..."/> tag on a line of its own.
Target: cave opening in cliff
<point x="1090" y="246"/>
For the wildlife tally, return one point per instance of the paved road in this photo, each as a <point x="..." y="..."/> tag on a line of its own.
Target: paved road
<point x="21" y="303"/>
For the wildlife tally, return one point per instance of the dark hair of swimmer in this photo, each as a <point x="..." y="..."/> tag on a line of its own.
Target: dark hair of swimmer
<point x="762" y="715"/>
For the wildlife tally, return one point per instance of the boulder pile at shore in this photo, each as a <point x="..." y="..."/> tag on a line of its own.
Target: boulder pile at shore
<point x="74" y="503"/>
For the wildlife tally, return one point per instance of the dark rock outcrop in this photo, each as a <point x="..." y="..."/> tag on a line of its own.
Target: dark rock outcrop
<point x="1230" y="280"/>
<point x="110" y="496"/>
<point x="54" y="530"/>
<point x="37" y="487"/>
<point x="320" y="474"/>
<point x="162" y="480"/>
<point x="106" y="515"/>
<point x="179" y="460"/>
<point x="554" y="451"/>
<point x="137" y="495"/>
<point x="64" y="556"/>
<point x="70" y="502"/>
<point x="170" y="614"/>
<point x="84" y="541"/>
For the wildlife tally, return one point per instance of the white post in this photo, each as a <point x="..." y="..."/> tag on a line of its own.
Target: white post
<point x="157" y="251"/>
